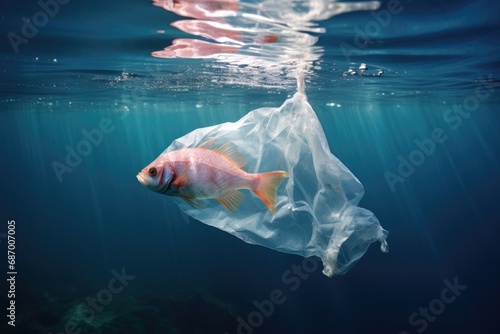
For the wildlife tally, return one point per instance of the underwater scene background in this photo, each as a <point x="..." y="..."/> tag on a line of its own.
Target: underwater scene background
<point x="93" y="251"/>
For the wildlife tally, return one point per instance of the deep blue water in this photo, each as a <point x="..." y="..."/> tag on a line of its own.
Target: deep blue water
<point x="92" y="61"/>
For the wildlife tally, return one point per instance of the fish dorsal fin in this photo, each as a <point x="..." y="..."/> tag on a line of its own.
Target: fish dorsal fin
<point x="208" y="145"/>
<point x="227" y="149"/>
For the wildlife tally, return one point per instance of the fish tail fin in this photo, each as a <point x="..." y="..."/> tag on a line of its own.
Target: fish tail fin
<point x="266" y="189"/>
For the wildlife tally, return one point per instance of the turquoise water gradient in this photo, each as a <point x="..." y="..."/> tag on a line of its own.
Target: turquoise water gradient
<point x="90" y="68"/>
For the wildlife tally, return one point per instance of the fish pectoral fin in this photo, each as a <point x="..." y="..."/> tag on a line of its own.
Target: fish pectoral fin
<point x="232" y="201"/>
<point x="181" y="179"/>
<point x="228" y="150"/>
<point x="191" y="201"/>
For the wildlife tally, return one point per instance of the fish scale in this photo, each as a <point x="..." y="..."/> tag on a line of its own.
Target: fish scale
<point x="209" y="172"/>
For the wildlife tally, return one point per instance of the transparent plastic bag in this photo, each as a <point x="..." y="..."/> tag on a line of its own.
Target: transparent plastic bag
<point x="316" y="211"/>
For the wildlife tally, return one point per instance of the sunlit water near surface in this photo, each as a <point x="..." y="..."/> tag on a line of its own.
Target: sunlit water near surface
<point x="422" y="138"/>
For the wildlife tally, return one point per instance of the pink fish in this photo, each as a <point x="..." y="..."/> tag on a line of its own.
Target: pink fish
<point x="206" y="172"/>
<point x="199" y="9"/>
<point x="194" y="48"/>
<point x="209" y="29"/>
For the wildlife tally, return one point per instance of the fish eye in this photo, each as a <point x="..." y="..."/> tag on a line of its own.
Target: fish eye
<point x="152" y="171"/>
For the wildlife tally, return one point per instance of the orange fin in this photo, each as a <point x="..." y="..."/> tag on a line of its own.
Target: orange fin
<point x="232" y="200"/>
<point x="181" y="179"/>
<point x="209" y="144"/>
<point x="266" y="190"/>
<point x="192" y="201"/>
<point x="228" y="150"/>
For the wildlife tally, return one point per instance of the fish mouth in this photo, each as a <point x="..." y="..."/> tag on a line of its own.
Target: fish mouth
<point x="142" y="180"/>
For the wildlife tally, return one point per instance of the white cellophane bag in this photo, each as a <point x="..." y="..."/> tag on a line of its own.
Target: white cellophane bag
<point x="316" y="208"/>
